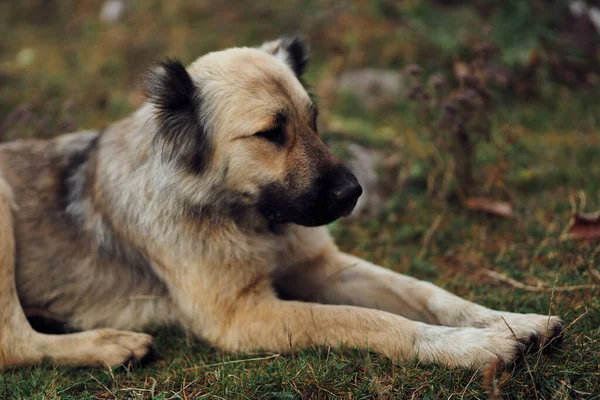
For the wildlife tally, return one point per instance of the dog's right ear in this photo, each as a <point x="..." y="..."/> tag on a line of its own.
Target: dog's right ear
<point x="176" y="98"/>
<point x="292" y="51"/>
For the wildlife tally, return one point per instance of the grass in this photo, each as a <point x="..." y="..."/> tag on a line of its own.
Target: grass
<point x="62" y="69"/>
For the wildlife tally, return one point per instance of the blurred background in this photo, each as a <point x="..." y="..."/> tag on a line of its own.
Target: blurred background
<point x="71" y="64"/>
<point x="472" y="124"/>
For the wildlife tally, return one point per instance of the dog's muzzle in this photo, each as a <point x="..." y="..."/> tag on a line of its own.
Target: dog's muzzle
<point x="332" y="195"/>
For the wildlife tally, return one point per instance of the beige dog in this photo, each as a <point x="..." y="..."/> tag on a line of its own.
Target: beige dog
<point x="205" y="208"/>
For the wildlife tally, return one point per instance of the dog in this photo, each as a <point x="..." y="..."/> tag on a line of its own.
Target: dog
<point x="206" y="208"/>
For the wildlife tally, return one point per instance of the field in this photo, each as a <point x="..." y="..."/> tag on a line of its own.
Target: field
<point x="63" y="68"/>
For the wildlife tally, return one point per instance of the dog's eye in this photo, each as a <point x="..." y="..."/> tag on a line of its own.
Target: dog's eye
<point x="275" y="135"/>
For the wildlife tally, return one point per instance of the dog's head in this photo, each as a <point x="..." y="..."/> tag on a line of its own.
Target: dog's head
<point x="240" y="126"/>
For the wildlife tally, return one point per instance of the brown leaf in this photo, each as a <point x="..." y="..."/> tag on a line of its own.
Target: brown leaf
<point x="494" y="207"/>
<point x="585" y="226"/>
<point x="489" y="376"/>
<point x="461" y="70"/>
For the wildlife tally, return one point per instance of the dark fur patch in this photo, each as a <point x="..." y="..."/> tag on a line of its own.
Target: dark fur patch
<point x="297" y="50"/>
<point x="178" y="103"/>
<point x="75" y="161"/>
<point x="76" y="185"/>
<point x="45" y="322"/>
<point x="314" y="114"/>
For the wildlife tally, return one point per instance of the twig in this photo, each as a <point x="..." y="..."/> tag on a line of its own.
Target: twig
<point x="573" y="204"/>
<point x="573" y="389"/>
<point x="234" y="362"/>
<point x="539" y="353"/>
<point x="593" y="272"/>
<point x="440" y="167"/>
<point x="327" y="391"/>
<point x="476" y="373"/>
<point x="103" y="385"/>
<point x="184" y="386"/>
<point x="564" y="235"/>
<point x="427" y="238"/>
<point x="417" y="391"/>
<point x="582" y="200"/>
<point x="503" y="278"/>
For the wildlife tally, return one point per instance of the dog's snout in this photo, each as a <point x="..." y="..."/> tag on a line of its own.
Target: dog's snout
<point x="348" y="193"/>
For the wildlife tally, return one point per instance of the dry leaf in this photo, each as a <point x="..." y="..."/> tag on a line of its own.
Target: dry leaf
<point x="585" y="226"/>
<point x="461" y="70"/>
<point x="489" y="380"/>
<point x="494" y="207"/>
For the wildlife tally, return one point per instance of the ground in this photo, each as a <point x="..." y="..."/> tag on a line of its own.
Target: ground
<point x="62" y="68"/>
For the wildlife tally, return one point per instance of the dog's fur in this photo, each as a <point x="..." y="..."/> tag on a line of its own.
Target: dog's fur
<point x="205" y="209"/>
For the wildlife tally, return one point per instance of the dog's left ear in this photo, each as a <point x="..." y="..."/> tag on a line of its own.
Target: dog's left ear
<point x="292" y="51"/>
<point x="175" y="96"/>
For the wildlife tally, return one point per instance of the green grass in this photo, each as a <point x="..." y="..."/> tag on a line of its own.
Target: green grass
<point x="83" y="74"/>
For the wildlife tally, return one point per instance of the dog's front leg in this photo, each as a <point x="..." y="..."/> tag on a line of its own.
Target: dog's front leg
<point x="245" y="317"/>
<point x="337" y="278"/>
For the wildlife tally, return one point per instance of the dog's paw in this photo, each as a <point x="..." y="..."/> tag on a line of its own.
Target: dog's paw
<point x="115" y="347"/>
<point x="532" y="329"/>
<point x="469" y="347"/>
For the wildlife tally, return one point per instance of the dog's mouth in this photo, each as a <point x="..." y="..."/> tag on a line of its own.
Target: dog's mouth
<point x="305" y="219"/>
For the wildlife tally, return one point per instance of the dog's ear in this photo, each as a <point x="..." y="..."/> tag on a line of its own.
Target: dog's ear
<point x="176" y="98"/>
<point x="292" y="51"/>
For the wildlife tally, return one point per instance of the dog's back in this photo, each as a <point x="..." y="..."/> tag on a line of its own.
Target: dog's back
<point x="58" y="260"/>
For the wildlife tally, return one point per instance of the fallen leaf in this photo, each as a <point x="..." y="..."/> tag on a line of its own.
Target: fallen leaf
<point x="489" y="380"/>
<point x="585" y="226"/>
<point x="461" y="70"/>
<point x="494" y="207"/>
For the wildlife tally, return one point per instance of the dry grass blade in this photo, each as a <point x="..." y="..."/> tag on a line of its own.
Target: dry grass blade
<point x="503" y="278"/>
<point x="591" y="262"/>
<point x="272" y="356"/>
<point x="524" y="359"/>
<point x="489" y="206"/>
<point x="428" y="235"/>
<point x="594" y="273"/>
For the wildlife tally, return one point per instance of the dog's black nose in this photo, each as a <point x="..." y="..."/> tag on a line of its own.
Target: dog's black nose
<point x="346" y="193"/>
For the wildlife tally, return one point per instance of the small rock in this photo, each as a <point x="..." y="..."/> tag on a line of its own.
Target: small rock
<point x="375" y="87"/>
<point x="25" y="57"/>
<point x="363" y="162"/>
<point x="594" y="15"/>
<point x="112" y="10"/>
<point x="578" y="8"/>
